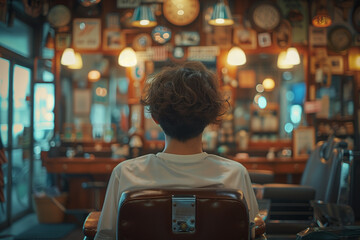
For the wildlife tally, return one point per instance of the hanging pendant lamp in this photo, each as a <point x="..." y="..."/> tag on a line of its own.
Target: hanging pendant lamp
<point x="236" y="56"/>
<point x="127" y="57"/>
<point x="143" y="17"/>
<point x="221" y="15"/>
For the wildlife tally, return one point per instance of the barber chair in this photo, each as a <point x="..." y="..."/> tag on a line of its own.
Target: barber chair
<point x="197" y="213"/>
<point x="291" y="207"/>
<point x="261" y="176"/>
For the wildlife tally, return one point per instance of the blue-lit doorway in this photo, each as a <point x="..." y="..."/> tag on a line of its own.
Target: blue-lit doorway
<point x="16" y="126"/>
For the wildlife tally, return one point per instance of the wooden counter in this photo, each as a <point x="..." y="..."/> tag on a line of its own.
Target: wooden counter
<point x="287" y="170"/>
<point x="77" y="170"/>
<point x="71" y="173"/>
<point x="80" y="165"/>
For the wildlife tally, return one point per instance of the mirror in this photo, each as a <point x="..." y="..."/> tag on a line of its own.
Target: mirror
<point x="266" y="112"/>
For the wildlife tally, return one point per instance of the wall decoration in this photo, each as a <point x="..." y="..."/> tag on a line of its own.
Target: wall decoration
<point x="203" y="53"/>
<point x="62" y="41"/>
<point x="303" y="142"/>
<point x="264" y="16"/>
<point x="317" y="36"/>
<point x="339" y="38"/>
<point x="187" y="38"/>
<point x="113" y="20"/>
<point x="336" y="64"/>
<point x="161" y="34"/>
<point x="59" y="16"/>
<point x="283" y="35"/>
<point x="178" y="53"/>
<point x="220" y="37"/>
<point x="245" y="38"/>
<point x="295" y="11"/>
<point x="189" y="8"/>
<point x="158" y="53"/>
<point x="127" y="3"/>
<point x="113" y="39"/>
<point x="86" y="33"/>
<point x="142" y="41"/>
<point x="264" y="39"/>
<point x="82" y="101"/>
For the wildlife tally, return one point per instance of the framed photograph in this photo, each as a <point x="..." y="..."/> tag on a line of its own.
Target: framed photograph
<point x="86" y="33"/>
<point x="82" y="101"/>
<point x="245" y="38"/>
<point x="62" y="41"/>
<point x="187" y="38"/>
<point x="336" y="64"/>
<point x="264" y="39"/>
<point x="317" y="36"/>
<point x="283" y="34"/>
<point x="303" y="142"/>
<point x="113" y="39"/>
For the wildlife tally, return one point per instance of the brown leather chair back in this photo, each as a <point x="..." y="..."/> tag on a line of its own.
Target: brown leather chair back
<point x="198" y="213"/>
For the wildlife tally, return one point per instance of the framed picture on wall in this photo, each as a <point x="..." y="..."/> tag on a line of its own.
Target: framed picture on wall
<point x="62" y="41"/>
<point x="336" y="64"/>
<point x="113" y="39"/>
<point x="245" y="38"/>
<point x="82" y="101"/>
<point x="87" y="33"/>
<point x="303" y="142"/>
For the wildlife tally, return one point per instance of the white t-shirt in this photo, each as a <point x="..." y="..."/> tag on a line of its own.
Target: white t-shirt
<point x="171" y="170"/>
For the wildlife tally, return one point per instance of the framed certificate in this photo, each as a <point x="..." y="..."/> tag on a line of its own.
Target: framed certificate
<point x="303" y="142"/>
<point x="87" y="33"/>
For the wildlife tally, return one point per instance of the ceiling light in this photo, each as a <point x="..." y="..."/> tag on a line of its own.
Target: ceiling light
<point x="221" y="15"/>
<point x="143" y="17"/>
<point x="236" y="56"/>
<point x="127" y="57"/>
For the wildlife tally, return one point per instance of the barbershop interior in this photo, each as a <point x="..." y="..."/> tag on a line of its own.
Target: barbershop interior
<point x="72" y="75"/>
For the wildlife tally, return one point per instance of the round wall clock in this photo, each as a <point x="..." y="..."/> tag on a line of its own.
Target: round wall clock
<point x="264" y="16"/>
<point x="59" y="16"/>
<point x="339" y="38"/>
<point x="355" y="18"/>
<point x="181" y="12"/>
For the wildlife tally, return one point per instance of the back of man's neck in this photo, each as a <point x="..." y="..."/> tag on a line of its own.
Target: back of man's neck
<point x="191" y="146"/>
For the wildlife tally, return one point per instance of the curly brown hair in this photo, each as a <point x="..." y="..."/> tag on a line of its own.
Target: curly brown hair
<point x="184" y="99"/>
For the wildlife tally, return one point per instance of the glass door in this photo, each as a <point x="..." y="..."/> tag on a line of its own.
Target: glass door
<point x="21" y="139"/>
<point x="4" y="114"/>
<point x="16" y="134"/>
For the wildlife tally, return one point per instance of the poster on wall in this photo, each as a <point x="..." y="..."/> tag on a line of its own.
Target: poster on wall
<point x="82" y="101"/>
<point x="295" y="11"/>
<point x="86" y="33"/>
<point x="303" y="142"/>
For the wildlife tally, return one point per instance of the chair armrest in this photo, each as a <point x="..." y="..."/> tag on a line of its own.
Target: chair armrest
<point x="90" y="225"/>
<point x="288" y="192"/>
<point x="259" y="227"/>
